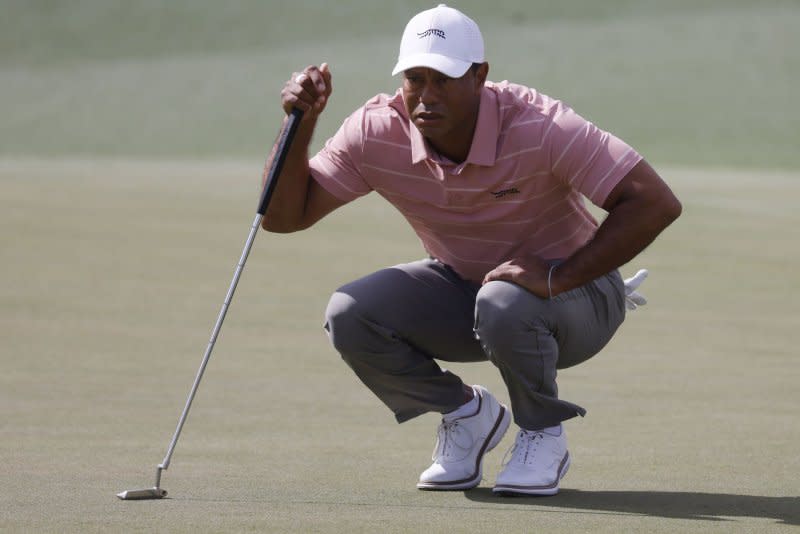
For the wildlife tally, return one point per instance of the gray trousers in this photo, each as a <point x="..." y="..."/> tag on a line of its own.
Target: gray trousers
<point x="391" y="327"/>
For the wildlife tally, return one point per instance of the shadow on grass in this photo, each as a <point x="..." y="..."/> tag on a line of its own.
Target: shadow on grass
<point x="673" y="505"/>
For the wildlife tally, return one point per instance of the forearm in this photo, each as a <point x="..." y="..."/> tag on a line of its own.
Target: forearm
<point x="629" y="228"/>
<point x="289" y="209"/>
<point x="287" y="206"/>
<point x="639" y="208"/>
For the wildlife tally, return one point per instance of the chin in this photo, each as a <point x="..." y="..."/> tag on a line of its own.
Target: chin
<point x="429" y="130"/>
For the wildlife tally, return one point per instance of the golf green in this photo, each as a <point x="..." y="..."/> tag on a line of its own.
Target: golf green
<point x="114" y="273"/>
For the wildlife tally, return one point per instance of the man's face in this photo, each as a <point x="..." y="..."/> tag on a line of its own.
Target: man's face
<point x="444" y="109"/>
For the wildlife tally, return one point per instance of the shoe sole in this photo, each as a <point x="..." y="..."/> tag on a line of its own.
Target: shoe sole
<point x="511" y="490"/>
<point x="493" y="439"/>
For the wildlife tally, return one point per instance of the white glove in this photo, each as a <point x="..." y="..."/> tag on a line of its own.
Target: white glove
<point x="633" y="299"/>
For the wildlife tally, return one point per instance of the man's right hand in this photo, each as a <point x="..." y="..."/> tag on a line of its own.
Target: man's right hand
<point x="308" y="90"/>
<point x="299" y="201"/>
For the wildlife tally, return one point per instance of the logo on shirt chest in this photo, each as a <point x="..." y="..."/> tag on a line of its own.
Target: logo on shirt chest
<point x="504" y="192"/>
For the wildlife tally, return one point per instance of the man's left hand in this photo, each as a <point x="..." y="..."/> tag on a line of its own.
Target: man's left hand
<point x="530" y="273"/>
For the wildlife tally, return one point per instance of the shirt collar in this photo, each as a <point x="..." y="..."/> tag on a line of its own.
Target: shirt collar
<point x="483" y="150"/>
<point x="484" y="143"/>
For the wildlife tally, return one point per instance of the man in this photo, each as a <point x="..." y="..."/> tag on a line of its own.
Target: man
<point x="491" y="177"/>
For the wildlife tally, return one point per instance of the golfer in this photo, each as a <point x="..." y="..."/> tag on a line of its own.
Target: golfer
<point x="491" y="177"/>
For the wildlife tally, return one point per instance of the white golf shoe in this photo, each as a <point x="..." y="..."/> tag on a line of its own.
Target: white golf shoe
<point x="461" y="444"/>
<point x="539" y="460"/>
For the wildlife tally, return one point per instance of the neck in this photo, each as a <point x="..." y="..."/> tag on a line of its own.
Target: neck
<point x="455" y="145"/>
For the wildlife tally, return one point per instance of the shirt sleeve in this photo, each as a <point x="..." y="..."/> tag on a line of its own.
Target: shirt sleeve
<point x="588" y="159"/>
<point x="336" y="167"/>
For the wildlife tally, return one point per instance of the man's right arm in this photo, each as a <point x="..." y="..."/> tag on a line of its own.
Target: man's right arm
<point x="298" y="200"/>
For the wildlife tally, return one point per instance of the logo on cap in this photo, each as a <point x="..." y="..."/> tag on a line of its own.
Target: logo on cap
<point x="432" y="31"/>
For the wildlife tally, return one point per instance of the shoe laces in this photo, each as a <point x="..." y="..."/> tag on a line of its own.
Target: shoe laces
<point x="452" y="440"/>
<point x="524" y="448"/>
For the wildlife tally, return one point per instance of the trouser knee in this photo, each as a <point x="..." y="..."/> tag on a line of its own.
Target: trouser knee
<point x="357" y="333"/>
<point x="343" y="323"/>
<point x="505" y="316"/>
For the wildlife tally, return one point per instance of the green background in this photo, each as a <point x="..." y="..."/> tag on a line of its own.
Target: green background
<point x="687" y="82"/>
<point x="131" y="144"/>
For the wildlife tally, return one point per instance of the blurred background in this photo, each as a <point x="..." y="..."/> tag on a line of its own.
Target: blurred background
<point x="686" y="82"/>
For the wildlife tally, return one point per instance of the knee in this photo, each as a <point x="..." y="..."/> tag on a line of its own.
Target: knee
<point x="341" y="321"/>
<point x="504" y="312"/>
<point x="502" y="307"/>
<point x="356" y="326"/>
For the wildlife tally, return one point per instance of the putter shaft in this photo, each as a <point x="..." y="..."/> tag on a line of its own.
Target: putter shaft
<point x="284" y="142"/>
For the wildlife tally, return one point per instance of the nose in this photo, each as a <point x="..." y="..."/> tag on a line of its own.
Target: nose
<point x="428" y="94"/>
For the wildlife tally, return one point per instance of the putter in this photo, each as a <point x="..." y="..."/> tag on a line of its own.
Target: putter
<point x="284" y="142"/>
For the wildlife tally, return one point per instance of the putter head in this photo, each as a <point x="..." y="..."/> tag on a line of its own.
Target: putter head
<point x="142" y="494"/>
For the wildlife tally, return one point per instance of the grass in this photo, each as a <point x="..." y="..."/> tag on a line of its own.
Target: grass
<point x="107" y="304"/>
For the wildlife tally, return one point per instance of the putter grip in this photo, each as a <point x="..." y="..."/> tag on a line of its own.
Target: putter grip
<point x="284" y="142"/>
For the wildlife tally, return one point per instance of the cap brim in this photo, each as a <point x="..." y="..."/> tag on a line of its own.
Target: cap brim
<point x="454" y="68"/>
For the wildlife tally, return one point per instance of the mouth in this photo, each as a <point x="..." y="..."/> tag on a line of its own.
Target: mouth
<point x="427" y="118"/>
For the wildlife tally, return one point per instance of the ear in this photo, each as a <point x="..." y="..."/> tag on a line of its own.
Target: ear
<point x="481" y="75"/>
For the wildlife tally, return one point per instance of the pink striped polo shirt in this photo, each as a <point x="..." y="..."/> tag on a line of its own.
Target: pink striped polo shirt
<point x="519" y="192"/>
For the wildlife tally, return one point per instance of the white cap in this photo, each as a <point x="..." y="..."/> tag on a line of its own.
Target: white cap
<point x="443" y="39"/>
